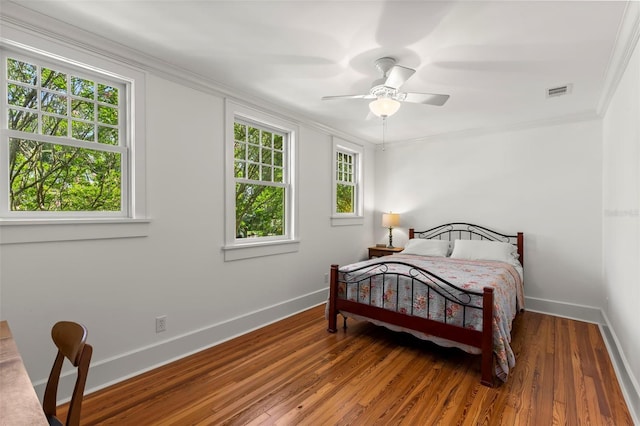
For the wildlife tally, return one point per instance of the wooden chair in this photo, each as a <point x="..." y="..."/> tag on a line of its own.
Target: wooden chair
<point x="69" y="338"/>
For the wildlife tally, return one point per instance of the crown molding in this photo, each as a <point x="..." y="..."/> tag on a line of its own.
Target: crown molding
<point x="626" y="42"/>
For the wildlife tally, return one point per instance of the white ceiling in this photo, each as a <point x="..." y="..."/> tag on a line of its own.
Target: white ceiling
<point x="495" y="59"/>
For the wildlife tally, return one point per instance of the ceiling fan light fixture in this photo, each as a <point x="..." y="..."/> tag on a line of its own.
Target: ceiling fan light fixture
<point x="384" y="106"/>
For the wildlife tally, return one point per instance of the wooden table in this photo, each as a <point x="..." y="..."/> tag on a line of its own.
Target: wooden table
<point x="19" y="404"/>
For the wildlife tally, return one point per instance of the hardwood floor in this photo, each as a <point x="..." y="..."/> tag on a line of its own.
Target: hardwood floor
<point x="294" y="372"/>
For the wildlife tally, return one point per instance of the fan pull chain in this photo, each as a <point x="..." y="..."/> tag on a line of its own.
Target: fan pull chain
<point x="384" y="130"/>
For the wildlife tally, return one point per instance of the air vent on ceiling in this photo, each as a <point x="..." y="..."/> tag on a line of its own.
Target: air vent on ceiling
<point x="559" y="91"/>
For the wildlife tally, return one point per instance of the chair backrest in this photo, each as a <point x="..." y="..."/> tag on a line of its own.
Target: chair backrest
<point x="69" y="338"/>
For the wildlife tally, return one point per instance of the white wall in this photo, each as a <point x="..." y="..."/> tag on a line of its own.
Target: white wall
<point x="621" y="218"/>
<point x="545" y="182"/>
<point x="117" y="287"/>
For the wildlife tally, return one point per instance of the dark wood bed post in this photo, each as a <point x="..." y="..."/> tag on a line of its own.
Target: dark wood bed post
<point x="487" y="338"/>
<point x="521" y="247"/>
<point x="333" y="299"/>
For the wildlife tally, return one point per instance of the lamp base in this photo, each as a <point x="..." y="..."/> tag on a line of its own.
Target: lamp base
<point x="390" y="245"/>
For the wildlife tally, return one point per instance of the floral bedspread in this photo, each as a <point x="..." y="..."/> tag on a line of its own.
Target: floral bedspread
<point x="401" y="296"/>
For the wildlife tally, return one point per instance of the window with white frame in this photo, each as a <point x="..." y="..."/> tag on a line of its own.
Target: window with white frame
<point x="260" y="188"/>
<point x="72" y="142"/>
<point x="346" y="184"/>
<point x="65" y="140"/>
<point x="347" y="194"/>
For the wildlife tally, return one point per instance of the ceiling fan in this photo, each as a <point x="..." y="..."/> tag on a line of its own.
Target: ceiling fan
<point x="386" y="91"/>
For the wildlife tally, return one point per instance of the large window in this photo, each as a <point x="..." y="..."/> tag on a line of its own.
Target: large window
<point x="259" y="155"/>
<point x="64" y="135"/>
<point x="72" y="142"/>
<point x="260" y="195"/>
<point x="347" y="194"/>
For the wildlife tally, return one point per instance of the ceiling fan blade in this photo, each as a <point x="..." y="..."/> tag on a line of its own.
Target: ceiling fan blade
<point x="426" y="98"/>
<point x="398" y="75"/>
<point x="367" y="96"/>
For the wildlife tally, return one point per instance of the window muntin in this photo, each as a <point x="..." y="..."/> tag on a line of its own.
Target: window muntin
<point x="66" y="142"/>
<point x="261" y="184"/>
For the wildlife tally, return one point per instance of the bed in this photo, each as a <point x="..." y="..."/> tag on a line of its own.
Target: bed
<point x="457" y="285"/>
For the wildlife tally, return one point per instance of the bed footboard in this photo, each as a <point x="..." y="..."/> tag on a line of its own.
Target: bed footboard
<point x="463" y="333"/>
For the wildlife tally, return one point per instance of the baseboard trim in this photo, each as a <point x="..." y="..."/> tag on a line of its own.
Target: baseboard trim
<point x="565" y="310"/>
<point x="630" y="388"/>
<point x="113" y="370"/>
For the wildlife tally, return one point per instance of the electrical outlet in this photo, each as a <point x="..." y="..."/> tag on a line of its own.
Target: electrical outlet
<point x="161" y="324"/>
<point x="326" y="278"/>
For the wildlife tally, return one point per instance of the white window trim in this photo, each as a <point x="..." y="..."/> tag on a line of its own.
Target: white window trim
<point x="236" y="249"/>
<point x="356" y="218"/>
<point x="37" y="228"/>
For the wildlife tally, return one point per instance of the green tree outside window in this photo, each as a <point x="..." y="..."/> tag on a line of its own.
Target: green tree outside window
<point x="260" y="186"/>
<point x="48" y="176"/>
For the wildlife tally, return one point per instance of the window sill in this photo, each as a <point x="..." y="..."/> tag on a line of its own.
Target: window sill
<point x="347" y="221"/>
<point x="18" y="231"/>
<point x="249" y="250"/>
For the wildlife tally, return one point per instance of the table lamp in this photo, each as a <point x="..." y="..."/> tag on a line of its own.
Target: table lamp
<point x="390" y="220"/>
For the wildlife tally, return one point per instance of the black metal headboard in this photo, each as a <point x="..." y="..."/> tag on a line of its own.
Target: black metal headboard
<point x="469" y="231"/>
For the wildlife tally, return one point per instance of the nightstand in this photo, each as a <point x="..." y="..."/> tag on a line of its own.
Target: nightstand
<point x="383" y="251"/>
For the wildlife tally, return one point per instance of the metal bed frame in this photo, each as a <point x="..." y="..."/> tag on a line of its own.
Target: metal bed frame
<point x="451" y="293"/>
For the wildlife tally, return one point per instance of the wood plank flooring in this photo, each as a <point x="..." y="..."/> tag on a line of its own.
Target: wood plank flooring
<point x="295" y="373"/>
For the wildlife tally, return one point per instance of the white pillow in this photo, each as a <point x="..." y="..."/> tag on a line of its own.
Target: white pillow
<point x="485" y="250"/>
<point x="423" y="247"/>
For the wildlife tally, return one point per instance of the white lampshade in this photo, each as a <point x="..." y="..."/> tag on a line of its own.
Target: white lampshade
<point x="384" y="107"/>
<point x="390" y="220"/>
